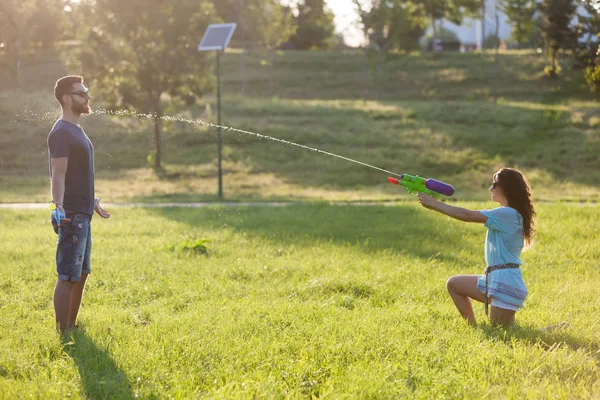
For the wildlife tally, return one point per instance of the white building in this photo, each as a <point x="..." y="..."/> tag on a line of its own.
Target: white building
<point x="473" y="31"/>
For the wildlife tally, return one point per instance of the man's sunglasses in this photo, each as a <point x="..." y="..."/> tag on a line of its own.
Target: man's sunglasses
<point x="82" y="93"/>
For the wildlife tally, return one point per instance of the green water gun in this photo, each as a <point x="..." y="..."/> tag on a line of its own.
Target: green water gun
<point x="415" y="185"/>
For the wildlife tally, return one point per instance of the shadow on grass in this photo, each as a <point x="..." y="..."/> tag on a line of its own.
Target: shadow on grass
<point x="407" y="230"/>
<point x="101" y="378"/>
<point x="550" y="339"/>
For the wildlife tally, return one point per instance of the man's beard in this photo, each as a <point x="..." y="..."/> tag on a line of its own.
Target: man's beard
<point x="81" y="109"/>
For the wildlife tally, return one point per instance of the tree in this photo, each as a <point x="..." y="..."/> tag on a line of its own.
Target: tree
<point x="520" y="15"/>
<point x="274" y="23"/>
<point x="397" y="24"/>
<point x="137" y="51"/>
<point x="274" y="26"/>
<point x="588" y="27"/>
<point x="265" y="22"/>
<point x="446" y="35"/>
<point x="590" y="21"/>
<point x="316" y="29"/>
<point x="451" y="10"/>
<point x="26" y="25"/>
<point x="402" y="22"/>
<point x="592" y="73"/>
<point x="556" y="30"/>
<point x="389" y="25"/>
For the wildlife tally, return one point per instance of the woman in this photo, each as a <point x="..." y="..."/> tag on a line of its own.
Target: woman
<point x="510" y="229"/>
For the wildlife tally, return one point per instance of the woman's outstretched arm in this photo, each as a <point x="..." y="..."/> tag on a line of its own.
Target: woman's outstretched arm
<point x="461" y="214"/>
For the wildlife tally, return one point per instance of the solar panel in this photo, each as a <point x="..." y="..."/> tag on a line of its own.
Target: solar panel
<point x="217" y="37"/>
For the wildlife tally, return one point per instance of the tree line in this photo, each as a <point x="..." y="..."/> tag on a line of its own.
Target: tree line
<point x="135" y="51"/>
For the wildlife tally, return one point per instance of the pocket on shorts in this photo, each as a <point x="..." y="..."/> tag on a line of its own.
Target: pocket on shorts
<point x="69" y="233"/>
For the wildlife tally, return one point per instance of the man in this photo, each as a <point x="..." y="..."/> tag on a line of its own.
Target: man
<point x="72" y="175"/>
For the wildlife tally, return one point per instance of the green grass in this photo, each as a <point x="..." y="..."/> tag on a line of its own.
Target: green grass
<point x="446" y="76"/>
<point x="310" y="300"/>
<point x="435" y="118"/>
<point x="296" y="302"/>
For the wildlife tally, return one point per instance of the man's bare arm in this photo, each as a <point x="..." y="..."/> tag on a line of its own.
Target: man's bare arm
<point x="59" y="171"/>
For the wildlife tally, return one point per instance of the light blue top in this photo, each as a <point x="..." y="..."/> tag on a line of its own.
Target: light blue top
<point x="504" y="239"/>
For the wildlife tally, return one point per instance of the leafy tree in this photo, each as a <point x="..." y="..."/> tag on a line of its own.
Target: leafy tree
<point x="451" y="10"/>
<point x="401" y="23"/>
<point x="264" y="23"/>
<point x="137" y="51"/>
<point x="397" y="24"/>
<point x="275" y="25"/>
<point x="316" y="29"/>
<point x="26" y="25"/>
<point x="267" y="23"/>
<point x="520" y="15"/>
<point x="592" y="73"/>
<point x="556" y="30"/>
<point x="229" y="10"/>
<point x="445" y="34"/>
<point x="588" y="27"/>
<point x="590" y="21"/>
<point x="388" y="25"/>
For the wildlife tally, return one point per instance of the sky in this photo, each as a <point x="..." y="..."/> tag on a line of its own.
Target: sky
<point x="345" y="20"/>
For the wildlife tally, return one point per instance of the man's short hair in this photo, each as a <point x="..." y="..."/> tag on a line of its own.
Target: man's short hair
<point x="64" y="86"/>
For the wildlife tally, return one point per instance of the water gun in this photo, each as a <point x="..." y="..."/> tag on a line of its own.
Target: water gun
<point x="415" y="185"/>
<point x="58" y="217"/>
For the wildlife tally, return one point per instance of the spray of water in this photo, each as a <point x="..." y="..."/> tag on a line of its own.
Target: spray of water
<point x="228" y="128"/>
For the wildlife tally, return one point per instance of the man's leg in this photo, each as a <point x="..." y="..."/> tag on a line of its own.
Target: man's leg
<point x="462" y="289"/>
<point x="62" y="304"/>
<point x="72" y="262"/>
<point x="76" y="300"/>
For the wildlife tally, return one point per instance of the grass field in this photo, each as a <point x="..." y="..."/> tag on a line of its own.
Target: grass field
<point x="305" y="301"/>
<point x="435" y="119"/>
<point x="310" y="300"/>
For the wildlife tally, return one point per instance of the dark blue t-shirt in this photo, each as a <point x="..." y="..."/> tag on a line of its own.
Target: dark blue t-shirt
<point x="69" y="140"/>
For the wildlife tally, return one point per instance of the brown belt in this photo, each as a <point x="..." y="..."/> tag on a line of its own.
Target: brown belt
<point x="487" y="273"/>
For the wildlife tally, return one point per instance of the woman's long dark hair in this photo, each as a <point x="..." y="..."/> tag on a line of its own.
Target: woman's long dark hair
<point x="518" y="194"/>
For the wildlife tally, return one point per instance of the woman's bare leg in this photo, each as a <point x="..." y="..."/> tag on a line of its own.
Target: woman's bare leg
<point x="462" y="289"/>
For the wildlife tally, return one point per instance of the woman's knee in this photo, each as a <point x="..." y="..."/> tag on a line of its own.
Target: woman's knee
<point x="464" y="285"/>
<point x="451" y="284"/>
<point x="456" y="283"/>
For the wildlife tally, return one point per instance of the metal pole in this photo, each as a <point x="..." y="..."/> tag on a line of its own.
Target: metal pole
<point x="219" y="141"/>
<point x="18" y="60"/>
<point x="243" y="25"/>
<point x="496" y="59"/>
<point x="482" y="24"/>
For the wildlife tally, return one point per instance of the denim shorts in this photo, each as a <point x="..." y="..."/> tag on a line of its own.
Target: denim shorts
<point x="74" y="247"/>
